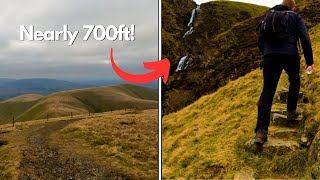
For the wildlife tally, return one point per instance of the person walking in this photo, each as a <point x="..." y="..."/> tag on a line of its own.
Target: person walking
<point x="280" y="33"/>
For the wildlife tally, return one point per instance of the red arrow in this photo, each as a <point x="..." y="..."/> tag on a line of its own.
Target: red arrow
<point x="160" y="68"/>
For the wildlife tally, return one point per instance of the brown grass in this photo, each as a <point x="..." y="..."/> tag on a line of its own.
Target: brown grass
<point x="125" y="141"/>
<point x="25" y="98"/>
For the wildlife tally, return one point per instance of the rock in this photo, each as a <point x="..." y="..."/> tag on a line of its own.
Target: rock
<point x="3" y="142"/>
<point x="283" y="132"/>
<point x="281" y="120"/>
<point x="314" y="150"/>
<point x="279" y="111"/>
<point x="282" y="96"/>
<point x="244" y="174"/>
<point x="273" y="146"/>
<point x="304" y="140"/>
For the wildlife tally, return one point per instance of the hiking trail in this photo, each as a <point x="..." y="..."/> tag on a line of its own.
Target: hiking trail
<point x="41" y="160"/>
<point x="283" y="136"/>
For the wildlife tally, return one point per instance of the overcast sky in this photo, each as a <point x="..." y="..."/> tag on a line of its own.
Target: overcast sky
<point x="269" y="3"/>
<point x="85" y="59"/>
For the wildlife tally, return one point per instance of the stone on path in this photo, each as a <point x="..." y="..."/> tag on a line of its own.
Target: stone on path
<point x="282" y="96"/>
<point x="273" y="146"/>
<point x="304" y="140"/>
<point x="278" y="111"/>
<point x="283" y="132"/>
<point x="244" y="174"/>
<point x="281" y="120"/>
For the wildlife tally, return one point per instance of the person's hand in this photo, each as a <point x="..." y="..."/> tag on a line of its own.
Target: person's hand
<point x="310" y="69"/>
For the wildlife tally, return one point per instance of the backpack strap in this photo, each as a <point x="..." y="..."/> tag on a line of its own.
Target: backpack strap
<point x="299" y="46"/>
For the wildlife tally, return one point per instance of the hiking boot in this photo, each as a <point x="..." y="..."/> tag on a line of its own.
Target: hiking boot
<point x="293" y="115"/>
<point x="261" y="137"/>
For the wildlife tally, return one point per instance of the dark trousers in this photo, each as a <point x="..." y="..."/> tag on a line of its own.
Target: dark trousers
<point x="272" y="69"/>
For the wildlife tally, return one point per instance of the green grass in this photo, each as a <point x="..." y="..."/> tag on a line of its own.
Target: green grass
<point x="81" y="101"/>
<point x="312" y="86"/>
<point x="202" y="136"/>
<point x="127" y="141"/>
<point x="205" y="139"/>
<point x="8" y="110"/>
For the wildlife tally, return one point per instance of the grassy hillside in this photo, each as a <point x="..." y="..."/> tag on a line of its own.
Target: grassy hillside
<point x="309" y="10"/>
<point x="16" y="106"/>
<point x="127" y="141"/>
<point x="216" y="46"/>
<point x="205" y="140"/>
<point x="124" y="142"/>
<point x="93" y="100"/>
<point x="25" y="98"/>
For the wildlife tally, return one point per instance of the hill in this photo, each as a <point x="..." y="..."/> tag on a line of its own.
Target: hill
<point x="221" y="47"/>
<point x="112" y="145"/>
<point x="93" y="100"/>
<point x="206" y="139"/>
<point x="25" y="98"/>
<point x="11" y="87"/>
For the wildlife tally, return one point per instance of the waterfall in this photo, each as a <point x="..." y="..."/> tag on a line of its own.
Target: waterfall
<point x="193" y="15"/>
<point x="190" y="31"/>
<point x="191" y="21"/>
<point x="183" y="64"/>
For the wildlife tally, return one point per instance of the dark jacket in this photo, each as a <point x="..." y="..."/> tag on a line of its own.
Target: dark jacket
<point x="297" y="29"/>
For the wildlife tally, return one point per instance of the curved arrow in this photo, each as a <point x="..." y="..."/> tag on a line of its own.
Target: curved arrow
<point x="160" y="68"/>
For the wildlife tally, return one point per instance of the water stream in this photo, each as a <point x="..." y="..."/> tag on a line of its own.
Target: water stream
<point x="183" y="63"/>
<point x="191" y="21"/>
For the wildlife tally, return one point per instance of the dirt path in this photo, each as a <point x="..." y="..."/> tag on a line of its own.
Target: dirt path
<point x="43" y="161"/>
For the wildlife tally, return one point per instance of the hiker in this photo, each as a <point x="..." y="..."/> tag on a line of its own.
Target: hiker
<point x="280" y="33"/>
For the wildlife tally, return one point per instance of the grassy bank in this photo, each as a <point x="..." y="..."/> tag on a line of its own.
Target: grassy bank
<point x="126" y="141"/>
<point x="205" y="140"/>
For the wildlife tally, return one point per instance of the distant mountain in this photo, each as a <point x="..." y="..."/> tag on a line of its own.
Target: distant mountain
<point x="5" y="80"/>
<point x="11" y="87"/>
<point x="79" y="101"/>
<point x="97" y="83"/>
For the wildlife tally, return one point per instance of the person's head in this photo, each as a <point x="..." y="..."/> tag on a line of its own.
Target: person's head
<point x="291" y="4"/>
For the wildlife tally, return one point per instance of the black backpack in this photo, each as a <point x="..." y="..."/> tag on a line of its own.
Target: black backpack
<point x="274" y="27"/>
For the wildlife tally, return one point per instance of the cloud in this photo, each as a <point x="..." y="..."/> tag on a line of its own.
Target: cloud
<point x="25" y="59"/>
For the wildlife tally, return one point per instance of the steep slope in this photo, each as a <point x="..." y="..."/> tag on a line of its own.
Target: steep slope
<point x="93" y="100"/>
<point x="16" y="106"/>
<point x="206" y="139"/>
<point x="309" y="9"/>
<point x="217" y="50"/>
<point x="199" y="140"/>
